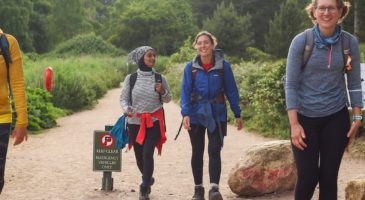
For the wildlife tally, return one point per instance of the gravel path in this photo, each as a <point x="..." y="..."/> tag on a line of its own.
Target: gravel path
<point x="57" y="164"/>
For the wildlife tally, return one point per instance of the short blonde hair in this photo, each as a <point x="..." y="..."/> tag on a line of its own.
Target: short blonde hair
<point x="345" y="5"/>
<point x="211" y="37"/>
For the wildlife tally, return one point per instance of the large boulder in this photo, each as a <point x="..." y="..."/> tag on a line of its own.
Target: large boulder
<point x="265" y="168"/>
<point x="355" y="190"/>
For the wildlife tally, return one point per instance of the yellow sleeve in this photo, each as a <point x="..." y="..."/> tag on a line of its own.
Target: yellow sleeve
<point x="17" y="83"/>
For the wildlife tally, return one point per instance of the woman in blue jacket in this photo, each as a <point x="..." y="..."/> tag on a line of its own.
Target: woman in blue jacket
<point x="207" y="79"/>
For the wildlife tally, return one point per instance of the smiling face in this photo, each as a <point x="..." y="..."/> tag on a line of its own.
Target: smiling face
<point x="149" y="58"/>
<point x="204" y="46"/>
<point x="327" y="15"/>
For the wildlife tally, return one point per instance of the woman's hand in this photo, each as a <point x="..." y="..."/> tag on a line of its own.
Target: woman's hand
<point x="239" y="123"/>
<point x="19" y="135"/>
<point x="297" y="136"/>
<point x="186" y="123"/>
<point x="352" y="132"/>
<point x="159" y="88"/>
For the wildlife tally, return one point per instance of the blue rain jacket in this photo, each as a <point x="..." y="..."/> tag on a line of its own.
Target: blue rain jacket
<point x="119" y="132"/>
<point x="207" y="87"/>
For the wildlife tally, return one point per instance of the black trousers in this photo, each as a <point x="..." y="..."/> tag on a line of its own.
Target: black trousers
<point x="197" y="139"/>
<point x="144" y="153"/>
<point x="4" y="140"/>
<point x="320" y="162"/>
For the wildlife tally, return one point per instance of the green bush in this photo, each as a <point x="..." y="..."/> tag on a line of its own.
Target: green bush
<point x="256" y="55"/>
<point x="174" y="78"/>
<point x="88" y="44"/>
<point x="185" y="53"/>
<point x="362" y="52"/>
<point x="162" y="64"/>
<point x="41" y="112"/>
<point x="262" y="95"/>
<point x="77" y="81"/>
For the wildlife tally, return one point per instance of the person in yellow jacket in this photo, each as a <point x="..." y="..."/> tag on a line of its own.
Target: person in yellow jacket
<point x="17" y="85"/>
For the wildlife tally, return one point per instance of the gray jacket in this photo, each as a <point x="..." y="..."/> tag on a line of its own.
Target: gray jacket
<point x="320" y="89"/>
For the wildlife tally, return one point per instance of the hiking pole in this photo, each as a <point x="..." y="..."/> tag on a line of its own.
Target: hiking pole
<point x="178" y="132"/>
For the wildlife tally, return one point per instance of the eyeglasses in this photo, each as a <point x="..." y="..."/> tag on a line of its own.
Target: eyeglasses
<point x="330" y="9"/>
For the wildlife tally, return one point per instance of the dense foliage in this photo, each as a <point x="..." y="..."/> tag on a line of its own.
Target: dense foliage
<point x="233" y="31"/>
<point x="78" y="82"/>
<point x="163" y="24"/>
<point x="41" y="112"/>
<point x="79" y="39"/>
<point x="89" y="44"/>
<point x="276" y="41"/>
<point x="41" y="25"/>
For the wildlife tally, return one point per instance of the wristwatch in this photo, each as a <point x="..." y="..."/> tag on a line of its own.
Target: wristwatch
<point x="357" y="117"/>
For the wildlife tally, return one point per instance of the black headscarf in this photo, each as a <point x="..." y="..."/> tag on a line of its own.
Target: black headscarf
<point x="137" y="57"/>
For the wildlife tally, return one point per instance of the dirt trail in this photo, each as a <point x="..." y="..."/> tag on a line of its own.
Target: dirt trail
<point x="57" y="164"/>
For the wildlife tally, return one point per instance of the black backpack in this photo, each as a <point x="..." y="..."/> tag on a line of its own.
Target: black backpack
<point x="132" y="82"/>
<point x="133" y="79"/>
<point x="4" y="47"/>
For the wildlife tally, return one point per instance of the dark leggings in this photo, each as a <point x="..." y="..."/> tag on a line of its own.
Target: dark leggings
<point x="4" y="140"/>
<point x="197" y="139"/>
<point x="144" y="153"/>
<point x="320" y="161"/>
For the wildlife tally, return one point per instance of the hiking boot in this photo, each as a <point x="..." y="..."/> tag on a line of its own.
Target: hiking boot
<point x="198" y="193"/>
<point x="144" y="192"/>
<point x="214" y="194"/>
<point x="152" y="181"/>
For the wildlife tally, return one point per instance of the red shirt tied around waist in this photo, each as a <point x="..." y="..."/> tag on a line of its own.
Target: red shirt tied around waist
<point x="147" y="122"/>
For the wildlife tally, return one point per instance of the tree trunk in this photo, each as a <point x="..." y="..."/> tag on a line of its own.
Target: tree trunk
<point x="356" y="18"/>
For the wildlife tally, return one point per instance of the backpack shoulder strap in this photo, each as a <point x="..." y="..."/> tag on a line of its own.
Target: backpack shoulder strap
<point x="132" y="82"/>
<point x="309" y="41"/>
<point x="346" y="50"/>
<point x="193" y="73"/>
<point x="4" y="46"/>
<point x="158" y="79"/>
<point x="221" y="74"/>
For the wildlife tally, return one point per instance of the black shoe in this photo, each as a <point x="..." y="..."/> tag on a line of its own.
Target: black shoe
<point x="152" y="181"/>
<point x="198" y="193"/>
<point x="214" y="194"/>
<point x="144" y="192"/>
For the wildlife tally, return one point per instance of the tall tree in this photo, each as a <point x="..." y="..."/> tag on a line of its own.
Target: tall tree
<point x="356" y="17"/>
<point x="288" y="22"/>
<point x="111" y="15"/>
<point x="354" y="22"/>
<point x="161" y="24"/>
<point x="261" y="13"/>
<point x="40" y="26"/>
<point x="69" y="19"/>
<point x="14" y="19"/>
<point x="203" y="9"/>
<point x="233" y="31"/>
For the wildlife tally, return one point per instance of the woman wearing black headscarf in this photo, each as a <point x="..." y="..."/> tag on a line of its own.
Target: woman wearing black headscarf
<point x="141" y="99"/>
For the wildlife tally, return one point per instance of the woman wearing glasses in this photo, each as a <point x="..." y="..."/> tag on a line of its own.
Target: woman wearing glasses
<point x="317" y="102"/>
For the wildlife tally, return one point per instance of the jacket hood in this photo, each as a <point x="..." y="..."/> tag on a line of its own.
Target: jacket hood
<point x="218" y="57"/>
